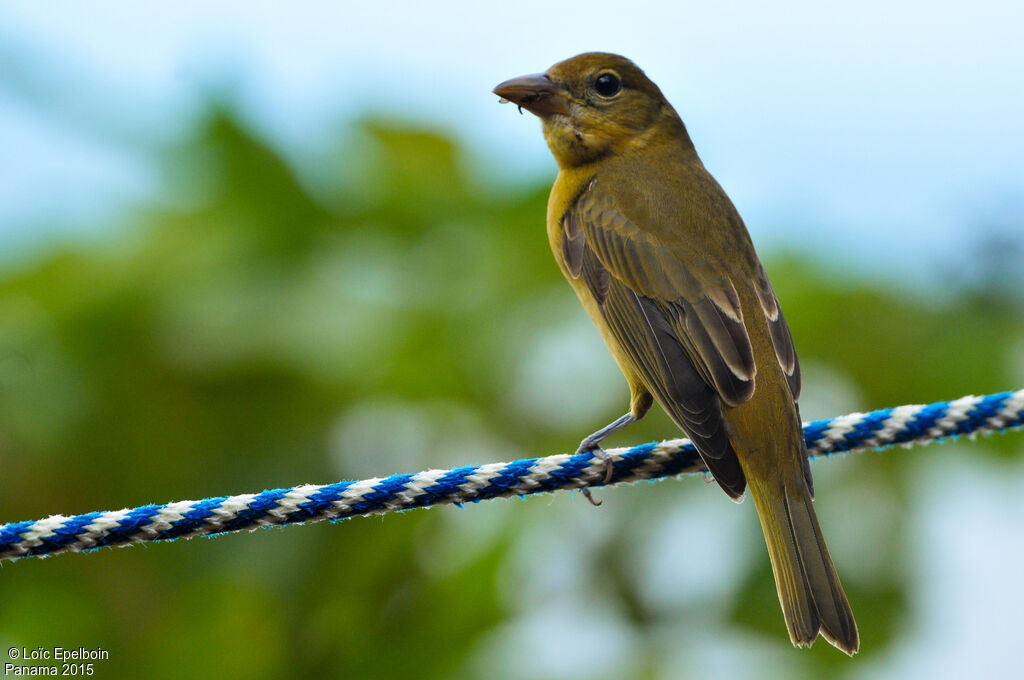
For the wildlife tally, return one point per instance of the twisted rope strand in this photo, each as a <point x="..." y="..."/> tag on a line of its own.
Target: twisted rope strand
<point x="342" y="500"/>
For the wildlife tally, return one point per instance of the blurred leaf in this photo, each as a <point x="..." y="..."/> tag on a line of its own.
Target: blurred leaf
<point x="223" y="336"/>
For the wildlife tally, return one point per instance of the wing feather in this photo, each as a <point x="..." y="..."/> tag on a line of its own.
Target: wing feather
<point x="782" y="339"/>
<point x="706" y="318"/>
<point x="640" y="326"/>
<point x="572" y="244"/>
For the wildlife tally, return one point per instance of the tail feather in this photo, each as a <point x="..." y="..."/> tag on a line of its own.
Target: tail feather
<point x="811" y="596"/>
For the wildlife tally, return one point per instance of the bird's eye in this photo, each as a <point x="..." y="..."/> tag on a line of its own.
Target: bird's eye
<point x="607" y="84"/>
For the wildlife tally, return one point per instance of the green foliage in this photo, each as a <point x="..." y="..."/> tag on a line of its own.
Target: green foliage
<point x="249" y="331"/>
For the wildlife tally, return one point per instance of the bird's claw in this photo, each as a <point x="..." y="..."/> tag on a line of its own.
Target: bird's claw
<point x="596" y="451"/>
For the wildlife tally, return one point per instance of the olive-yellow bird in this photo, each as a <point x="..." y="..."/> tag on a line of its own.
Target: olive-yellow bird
<point x="663" y="264"/>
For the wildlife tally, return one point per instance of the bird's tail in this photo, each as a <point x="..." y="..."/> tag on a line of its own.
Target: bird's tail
<point x="812" y="598"/>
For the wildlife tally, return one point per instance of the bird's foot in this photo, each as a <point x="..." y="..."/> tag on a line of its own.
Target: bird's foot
<point x="595" y="450"/>
<point x="592" y="445"/>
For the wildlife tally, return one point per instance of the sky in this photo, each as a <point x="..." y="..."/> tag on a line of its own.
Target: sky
<point x="884" y="135"/>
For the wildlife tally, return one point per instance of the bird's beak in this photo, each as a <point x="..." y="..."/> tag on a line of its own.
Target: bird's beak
<point x="535" y="93"/>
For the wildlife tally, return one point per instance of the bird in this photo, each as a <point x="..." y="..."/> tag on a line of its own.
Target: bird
<point x="663" y="264"/>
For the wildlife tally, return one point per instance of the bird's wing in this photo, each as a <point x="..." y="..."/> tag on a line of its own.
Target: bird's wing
<point x="700" y="308"/>
<point x="782" y="339"/>
<point x="680" y="322"/>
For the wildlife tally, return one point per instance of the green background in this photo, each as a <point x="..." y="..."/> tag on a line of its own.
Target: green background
<point x="253" y="328"/>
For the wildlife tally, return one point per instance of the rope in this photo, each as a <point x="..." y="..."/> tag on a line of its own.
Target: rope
<point x="342" y="500"/>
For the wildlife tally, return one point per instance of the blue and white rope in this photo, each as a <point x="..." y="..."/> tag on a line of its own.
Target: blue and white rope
<point x="312" y="503"/>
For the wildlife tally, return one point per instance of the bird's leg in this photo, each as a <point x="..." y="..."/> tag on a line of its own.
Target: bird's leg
<point x="592" y="443"/>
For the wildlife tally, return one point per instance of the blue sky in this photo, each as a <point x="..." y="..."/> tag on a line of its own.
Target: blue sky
<point x="883" y="134"/>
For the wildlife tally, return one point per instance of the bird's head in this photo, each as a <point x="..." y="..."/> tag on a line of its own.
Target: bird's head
<point x="592" y="105"/>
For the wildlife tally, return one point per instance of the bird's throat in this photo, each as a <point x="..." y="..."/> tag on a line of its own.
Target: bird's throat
<point x="571" y="145"/>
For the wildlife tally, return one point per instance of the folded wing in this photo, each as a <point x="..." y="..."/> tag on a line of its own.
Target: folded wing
<point x="682" y="328"/>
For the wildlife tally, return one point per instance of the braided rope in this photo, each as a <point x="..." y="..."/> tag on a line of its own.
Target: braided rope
<point x="342" y="500"/>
